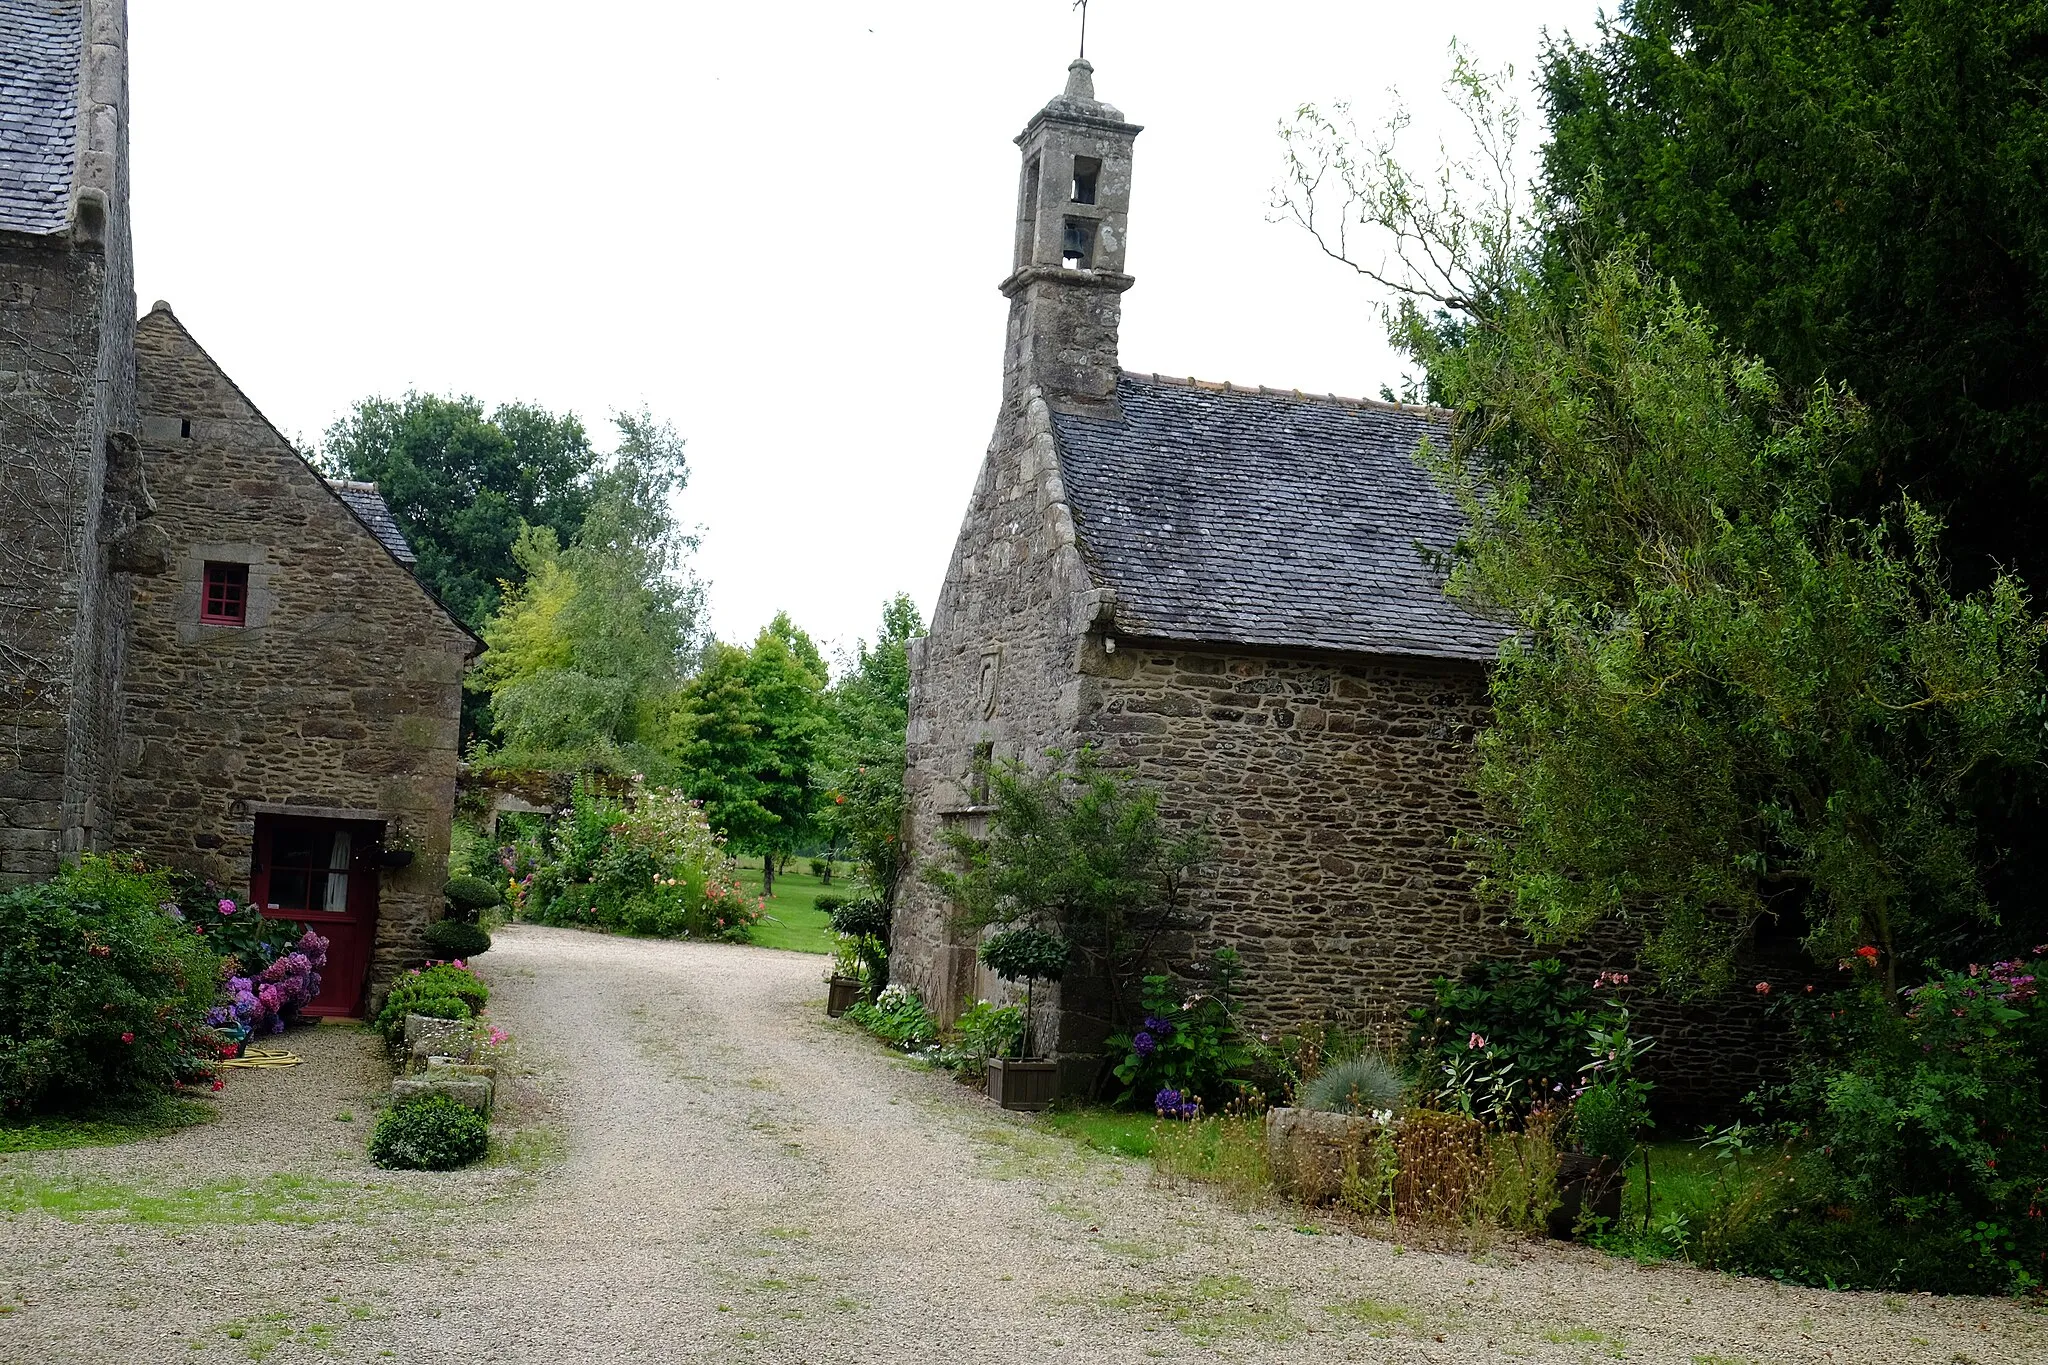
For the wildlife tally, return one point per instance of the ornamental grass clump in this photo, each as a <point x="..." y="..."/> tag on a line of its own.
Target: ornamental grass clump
<point x="1363" y="1084"/>
<point x="429" y="1133"/>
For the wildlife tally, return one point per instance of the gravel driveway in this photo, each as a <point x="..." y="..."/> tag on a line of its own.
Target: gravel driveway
<point x="700" y="1166"/>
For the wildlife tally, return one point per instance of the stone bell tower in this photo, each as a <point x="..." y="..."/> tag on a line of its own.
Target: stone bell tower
<point x="1067" y="279"/>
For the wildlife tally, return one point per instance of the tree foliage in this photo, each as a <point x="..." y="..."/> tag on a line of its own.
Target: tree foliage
<point x="587" y="649"/>
<point x="863" y="757"/>
<point x="1723" y="695"/>
<point x="465" y="487"/>
<point x="1850" y="192"/>
<point x="746" y="737"/>
<point x="1077" y="851"/>
<point x="1726" y="697"/>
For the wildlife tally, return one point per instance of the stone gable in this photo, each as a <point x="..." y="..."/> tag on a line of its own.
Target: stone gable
<point x="342" y="693"/>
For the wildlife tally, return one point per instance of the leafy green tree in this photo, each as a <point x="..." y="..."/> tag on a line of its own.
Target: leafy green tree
<point x="1725" y="698"/>
<point x="745" y="737"/>
<point x="1080" y="852"/>
<point x="1849" y="191"/>
<point x="863" y="756"/>
<point x="464" y="486"/>
<point x="587" y="649"/>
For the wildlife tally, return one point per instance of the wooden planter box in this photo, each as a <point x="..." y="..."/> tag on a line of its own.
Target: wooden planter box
<point x="844" y="992"/>
<point x="1588" y="1185"/>
<point x="1023" y="1085"/>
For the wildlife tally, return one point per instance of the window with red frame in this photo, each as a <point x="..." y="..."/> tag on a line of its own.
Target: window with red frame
<point x="227" y="595"/>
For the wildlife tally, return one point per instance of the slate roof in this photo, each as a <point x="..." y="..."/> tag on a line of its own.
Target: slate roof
<point x="1264" y="517"/>
<point x="41" y="52"/>
<point x="367" y="503"/>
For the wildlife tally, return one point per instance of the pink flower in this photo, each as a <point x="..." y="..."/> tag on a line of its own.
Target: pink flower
<point x="1763" y="988"/>
<point x="127" y="1037"/>
<point x="1475" y="1041"/>
<point x="227" y="907"/>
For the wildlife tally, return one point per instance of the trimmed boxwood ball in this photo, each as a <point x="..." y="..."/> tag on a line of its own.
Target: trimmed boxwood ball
<point x="868" y="916"/>
<point x="431" y="1133"/>
<point x="454" y="938"/>
<point x="471" y="896"/>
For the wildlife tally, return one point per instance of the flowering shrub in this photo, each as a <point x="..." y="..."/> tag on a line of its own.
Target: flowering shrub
<point x="1926" y="1112"/>
<point x="898" y="1018"/>
<point x="1185" y="1043"/>
<point x="231" y="928"/>
<point x="103" y="992"/>
<point x="649" y="865"/>
<point x="1531" y="1017"/>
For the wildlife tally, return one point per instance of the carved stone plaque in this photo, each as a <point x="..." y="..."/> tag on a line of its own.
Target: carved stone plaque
<point x="986" y="689"/>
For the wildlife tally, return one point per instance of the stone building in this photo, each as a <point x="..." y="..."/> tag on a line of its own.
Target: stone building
<point x="1223" y="592"/>
<point x="210" y="654"/>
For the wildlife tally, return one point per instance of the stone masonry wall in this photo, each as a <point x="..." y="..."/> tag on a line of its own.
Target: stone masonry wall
<point x="50" y="341"/>
<point x="342" y="691"/>
<point x="995" y="670"/>
<point x="67" y="402"/>
<point x="1334" y="789"/>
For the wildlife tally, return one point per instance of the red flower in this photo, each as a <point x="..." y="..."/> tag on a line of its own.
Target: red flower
<point x="127" y="1037"/>
<point x="220" y="1085"/>
<point x="1867" y="953"/>
<point x="1763" y="988"/>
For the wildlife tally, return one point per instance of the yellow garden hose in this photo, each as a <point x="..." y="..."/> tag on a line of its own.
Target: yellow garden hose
<point x="257" y="1056"/>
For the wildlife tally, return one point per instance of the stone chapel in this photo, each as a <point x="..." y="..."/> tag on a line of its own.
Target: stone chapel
<point x="210" y="655"/>
<point x="1222" y="591"/>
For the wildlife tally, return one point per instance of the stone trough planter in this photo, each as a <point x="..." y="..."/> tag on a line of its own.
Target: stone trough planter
<point x="1023" y="1084"/>
<point x="1310" y="1152"/>
<point x="440" y="1059"/>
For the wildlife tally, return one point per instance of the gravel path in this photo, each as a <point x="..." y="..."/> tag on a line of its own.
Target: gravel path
<point x="700" y="1166"/>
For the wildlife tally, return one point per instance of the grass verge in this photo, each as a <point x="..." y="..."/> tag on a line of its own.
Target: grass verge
<point x="104" y="1126"/>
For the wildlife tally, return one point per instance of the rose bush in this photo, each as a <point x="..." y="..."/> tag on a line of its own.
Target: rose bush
<point x="104" y="991"/>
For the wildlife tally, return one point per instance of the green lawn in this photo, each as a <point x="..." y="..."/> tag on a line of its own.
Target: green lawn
<point x="793" y="920"/>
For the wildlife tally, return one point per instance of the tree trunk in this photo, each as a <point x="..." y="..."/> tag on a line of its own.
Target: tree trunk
<point x="768" y="874"/>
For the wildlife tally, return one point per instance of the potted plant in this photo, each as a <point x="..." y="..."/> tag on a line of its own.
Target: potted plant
<point x="843" y="985"/>
<point x="1610" y="1110"/>
<point x="1026" y="1081"/>
<point x="860" y="965"/>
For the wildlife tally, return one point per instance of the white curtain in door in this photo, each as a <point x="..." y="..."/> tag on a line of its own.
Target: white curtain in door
<point x="337" y="875"/>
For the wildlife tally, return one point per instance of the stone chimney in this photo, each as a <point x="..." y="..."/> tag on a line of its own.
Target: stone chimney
<point x="1067" y="281"/>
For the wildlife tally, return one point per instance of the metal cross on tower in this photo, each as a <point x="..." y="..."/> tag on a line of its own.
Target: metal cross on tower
<point x="1082" y="5"/>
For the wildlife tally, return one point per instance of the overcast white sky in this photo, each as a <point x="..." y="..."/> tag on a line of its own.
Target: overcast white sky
<point x="779" y="225"/>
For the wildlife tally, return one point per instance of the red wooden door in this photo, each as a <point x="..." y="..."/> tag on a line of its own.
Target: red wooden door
<point x="324" y="873"/>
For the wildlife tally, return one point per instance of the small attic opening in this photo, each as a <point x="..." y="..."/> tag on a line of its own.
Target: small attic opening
<point x="1086" y="169"/>
<point x="185" y="427"/>
<point x="1077" y="245"/>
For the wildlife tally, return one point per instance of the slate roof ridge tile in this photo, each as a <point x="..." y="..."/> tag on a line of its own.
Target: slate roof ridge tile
<point x="1428" y="410"/>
